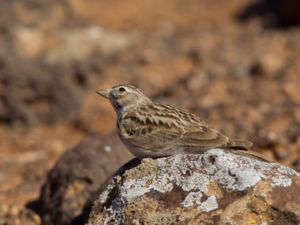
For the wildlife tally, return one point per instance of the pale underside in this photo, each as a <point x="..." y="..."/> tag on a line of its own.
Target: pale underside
<point x="160" y="130"/>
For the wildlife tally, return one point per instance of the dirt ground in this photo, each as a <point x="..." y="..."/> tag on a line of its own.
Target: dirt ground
<point x="234" y="63"/>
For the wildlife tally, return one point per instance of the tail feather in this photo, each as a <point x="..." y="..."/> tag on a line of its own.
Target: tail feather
<point x="239" y="144"/>
<point x="251" y="154"/>
<point x="241" y="147"/>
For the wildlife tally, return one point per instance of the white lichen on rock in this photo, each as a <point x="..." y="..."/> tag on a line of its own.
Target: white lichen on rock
<point x="231" y="171"/>
<point x="192" y="198"/>
<point x="281" y="180"/>
<point x="195" y="198"/>
<point x="209" y="204"/>
<point x="193" y="174"/>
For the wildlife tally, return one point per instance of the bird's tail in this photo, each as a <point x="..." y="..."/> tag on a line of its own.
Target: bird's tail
<point x="239" y="144"/>
<point x="251" y="154"/>
<point x="241" y="147"/>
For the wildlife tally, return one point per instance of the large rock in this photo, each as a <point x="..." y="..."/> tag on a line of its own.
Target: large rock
<point x="77" y="177"/>
<point x="214" y="188"/>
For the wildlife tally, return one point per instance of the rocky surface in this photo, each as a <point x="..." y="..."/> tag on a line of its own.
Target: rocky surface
<point x="76" y="179"/>
<point x="214" y="188"/>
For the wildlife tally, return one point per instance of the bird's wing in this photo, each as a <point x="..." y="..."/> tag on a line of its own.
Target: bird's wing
<point x="202" y="137"/>
<point x="149" y="131"/>
<point x="158" y="133"/>
<point x="197" y="135"/>
<point x="196" y="132"/>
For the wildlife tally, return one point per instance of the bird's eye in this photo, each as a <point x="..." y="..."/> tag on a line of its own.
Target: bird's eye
<point x="121" y="89"/>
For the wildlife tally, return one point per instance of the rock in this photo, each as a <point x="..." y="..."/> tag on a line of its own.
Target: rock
<point x="76" y="178"/>
<point x="37" y="95"/>
<point x="17" y="215"/>
<point x="28" y="42"/>
<point x="214" y="188"/>
<point x="92" y="40"/>
<point x="274" y="13"/>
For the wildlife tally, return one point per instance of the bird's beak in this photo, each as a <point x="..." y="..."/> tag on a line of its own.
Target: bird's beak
<point x="104" y="93"/>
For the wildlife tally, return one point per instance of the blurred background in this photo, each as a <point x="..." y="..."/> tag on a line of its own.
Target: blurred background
<point x="234" y="63"/>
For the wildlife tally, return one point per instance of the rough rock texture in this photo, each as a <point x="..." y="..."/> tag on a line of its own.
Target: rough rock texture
<point x="214" y="188"/>
<point x="78" y="175"/>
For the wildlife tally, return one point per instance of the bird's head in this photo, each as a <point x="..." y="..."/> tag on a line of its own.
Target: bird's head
<point x="123" y="97"/>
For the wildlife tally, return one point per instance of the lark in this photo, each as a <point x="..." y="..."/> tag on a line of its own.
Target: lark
<point x="149" y="129"/>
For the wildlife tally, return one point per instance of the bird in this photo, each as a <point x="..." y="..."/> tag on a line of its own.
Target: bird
<point x="154" y="130"/>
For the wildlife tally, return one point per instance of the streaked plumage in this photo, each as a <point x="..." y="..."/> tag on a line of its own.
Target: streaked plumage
<point x="154" y="130"/>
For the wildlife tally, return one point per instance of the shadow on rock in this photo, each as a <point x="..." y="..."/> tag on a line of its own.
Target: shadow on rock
<point x="274" y="13"/>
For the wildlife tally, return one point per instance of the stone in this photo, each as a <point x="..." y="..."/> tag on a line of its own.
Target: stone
<point x="216" y="187"/>
<point x="274" y="14"/>
<point x="92" y="39"/>
<point x="75" y="180"/>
